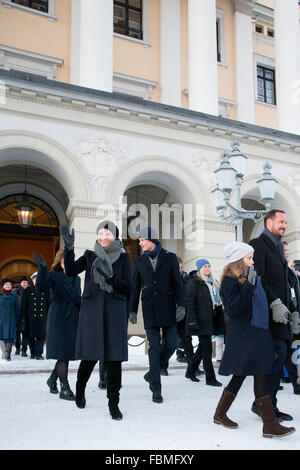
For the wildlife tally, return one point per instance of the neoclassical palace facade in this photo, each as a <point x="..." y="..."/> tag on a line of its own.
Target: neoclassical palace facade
<point x="119" y="108"/>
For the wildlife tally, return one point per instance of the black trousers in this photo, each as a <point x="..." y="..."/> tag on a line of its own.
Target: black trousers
<point x="36" y="345"/>
<point x="184" y="341"/>
<point x="21" y="343"/>
<point x="289" y="365"/>
<point x="281" y="348"/>
<point x="114" y="378"/>
<point x="204" y="351"/>
<point x="159" y="356"/>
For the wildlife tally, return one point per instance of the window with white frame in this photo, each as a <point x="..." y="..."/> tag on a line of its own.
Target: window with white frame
<point x="266" y="85"/>
<point x="40" y="7"/>
<point x="220" y="32"/>
<point x="128" y="18"/>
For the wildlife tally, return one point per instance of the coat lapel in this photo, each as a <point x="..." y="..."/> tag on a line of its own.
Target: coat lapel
<point x="162" y="255"/>
<point x="273" y="247"/>
<point x="145" y="260"/>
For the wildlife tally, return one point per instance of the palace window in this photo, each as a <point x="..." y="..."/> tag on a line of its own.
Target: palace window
<point x="40" y="5"/>
<point x="128" y="17"/>
<point x="266" y="85"/>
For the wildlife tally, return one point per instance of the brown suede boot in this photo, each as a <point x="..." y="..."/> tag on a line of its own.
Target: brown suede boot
<point x="224" y="404"/>
<point x="271" y="427"/>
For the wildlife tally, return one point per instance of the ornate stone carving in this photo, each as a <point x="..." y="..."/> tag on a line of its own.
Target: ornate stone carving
<point x="205" y="169"/>
<point x="101" y="157"/>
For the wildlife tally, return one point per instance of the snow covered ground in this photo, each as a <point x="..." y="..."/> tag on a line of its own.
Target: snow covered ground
<point x="33" y="419"/>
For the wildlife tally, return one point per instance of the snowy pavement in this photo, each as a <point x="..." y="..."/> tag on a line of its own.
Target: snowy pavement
<point x="33" y="419"/>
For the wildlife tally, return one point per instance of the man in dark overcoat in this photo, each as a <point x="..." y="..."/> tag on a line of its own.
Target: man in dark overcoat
<point x="34" y="309"/>
<point x="157" y="277"/>
<point x="295" y="295"/>
<point x="272" y="268"/>
<point x="22" y="340"/>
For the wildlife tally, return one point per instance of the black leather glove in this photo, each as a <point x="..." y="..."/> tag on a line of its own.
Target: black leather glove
<point x="40" y="261"/>
<point x="68" y="237"/>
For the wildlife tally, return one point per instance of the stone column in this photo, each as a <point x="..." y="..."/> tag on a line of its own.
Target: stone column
<point x="170" y="52"/>
<point x="92" y="44"/>
<point x="203" y="72"/>
<point x="244" y="61"/>
<point x="287" y="73"/>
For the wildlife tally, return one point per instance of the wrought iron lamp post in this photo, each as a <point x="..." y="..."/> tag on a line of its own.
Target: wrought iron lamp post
<point x="231" y="171"/>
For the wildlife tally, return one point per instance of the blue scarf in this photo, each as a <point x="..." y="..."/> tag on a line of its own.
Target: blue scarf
<point x="154" y="252"/>
<point x="260" y="309"/>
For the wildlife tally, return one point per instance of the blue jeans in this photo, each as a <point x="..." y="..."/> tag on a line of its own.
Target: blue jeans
<point x="159" y="357"/>
<point x="281" y="346"/>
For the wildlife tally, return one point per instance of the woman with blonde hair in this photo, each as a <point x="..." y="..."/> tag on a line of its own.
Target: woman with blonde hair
<point x="63" y="315"/>
<point x="204" y="307"/>
<point x="249" y="346"/>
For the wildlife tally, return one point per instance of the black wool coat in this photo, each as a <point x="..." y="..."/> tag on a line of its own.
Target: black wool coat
<point x="249" y="350"/>
<point x="162" y="290"/>
<point x="273" y="272"/>
<point x="34" y="310"/>
<point x="103" y="319"/>
<point x="201" y="317"/>
<point x="63" y="312"/>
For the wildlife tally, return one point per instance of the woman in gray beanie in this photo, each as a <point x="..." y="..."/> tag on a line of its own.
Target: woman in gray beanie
<point x="249" y="349"/>
<point x="103" y="319"/>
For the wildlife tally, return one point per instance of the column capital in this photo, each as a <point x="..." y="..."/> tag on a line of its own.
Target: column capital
<point x="244" y="6"/>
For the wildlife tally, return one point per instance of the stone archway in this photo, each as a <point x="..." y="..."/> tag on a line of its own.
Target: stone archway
<point x="37" y="150"/>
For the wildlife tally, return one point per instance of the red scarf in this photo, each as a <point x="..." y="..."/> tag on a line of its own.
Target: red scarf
<point x="7" y="292"/>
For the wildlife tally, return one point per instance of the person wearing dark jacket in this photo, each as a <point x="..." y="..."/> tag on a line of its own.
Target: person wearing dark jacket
<point x="249" y="349"/>
<point x="34" y="310"/>
<point x="291" y="368"/>
<point x="156" y="276"/>
<point x="9" y="316"/>
<point x="184" y="351"/>
<point x="22" y="340"/>
<point x="103" y="321"/>
<point x="272" y="268"/>
<point x="64" y="292"/>
<point x="204" y="307"/>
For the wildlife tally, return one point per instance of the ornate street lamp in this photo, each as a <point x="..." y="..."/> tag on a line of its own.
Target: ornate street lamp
<point x="231" y="170"/>
<point x="25" y="208"/>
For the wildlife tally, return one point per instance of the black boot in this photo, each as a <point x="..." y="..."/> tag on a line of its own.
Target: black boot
<point x="65" y="391"/>
<point x="213" y="381"/>
<point x="51" y="382"/>
<point x="191" y="375"/>
<point x="8" y="348"/>
<point x="114" y="373"/>
<point x="80" y="396"/>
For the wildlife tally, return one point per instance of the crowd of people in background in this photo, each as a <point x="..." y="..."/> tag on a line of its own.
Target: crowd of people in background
<point x="252" y="313"/>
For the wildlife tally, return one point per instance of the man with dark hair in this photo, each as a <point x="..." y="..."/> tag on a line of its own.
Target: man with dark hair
<point x="272" y="267"/>
<point x="156" y="276"/>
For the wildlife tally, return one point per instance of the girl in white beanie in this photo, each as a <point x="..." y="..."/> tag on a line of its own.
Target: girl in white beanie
<point x="249" y="348"/>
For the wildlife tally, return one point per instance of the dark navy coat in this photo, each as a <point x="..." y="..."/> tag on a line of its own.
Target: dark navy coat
<point x="103" y="320"/>
<point x="248" y="350"/>
<point x="63" y="312"/>
<point x="162" y="289"/>
<point x="273" y="272"/>
<point x="34" y="310"/>
<point x="9" y="316"/>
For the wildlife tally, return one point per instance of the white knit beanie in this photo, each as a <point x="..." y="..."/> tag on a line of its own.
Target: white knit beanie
<point x="237" y="250"/>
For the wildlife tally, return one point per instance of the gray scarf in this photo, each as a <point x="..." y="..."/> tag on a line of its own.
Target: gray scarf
<point x="214" y="291"/>
<point x="276" y="240"/>
<point x="104" y="261"/>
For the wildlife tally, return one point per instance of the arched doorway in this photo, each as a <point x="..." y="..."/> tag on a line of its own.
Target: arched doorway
<point x="49" y="202"/>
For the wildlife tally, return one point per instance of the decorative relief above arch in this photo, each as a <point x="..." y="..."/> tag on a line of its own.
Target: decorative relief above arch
<point x="101" y="157"/>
